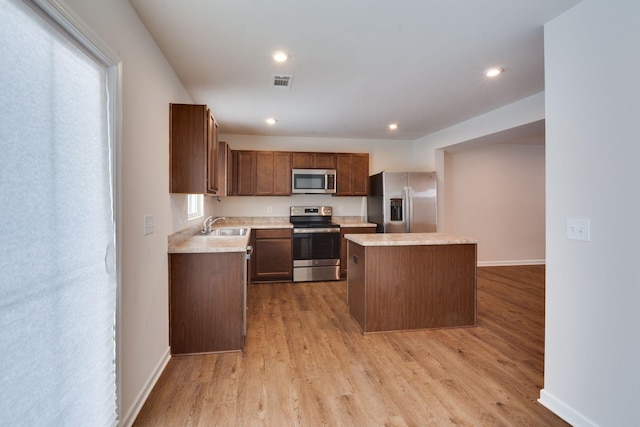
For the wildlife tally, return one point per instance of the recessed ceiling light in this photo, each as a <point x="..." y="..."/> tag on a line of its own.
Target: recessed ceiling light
<point x="271" y="121"/>
<point x="280" y="56"/>
<point x="492" y="72"/>
<point x="393" y="126"/>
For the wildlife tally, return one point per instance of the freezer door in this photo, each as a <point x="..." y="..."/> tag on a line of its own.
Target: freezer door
<point x="422" y="202"/>
<point x="394" y="202"/>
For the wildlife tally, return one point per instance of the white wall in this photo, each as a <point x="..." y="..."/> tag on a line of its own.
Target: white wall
<point x="592" y="350"/>
<point x="496" y="193"/>
<point x="149" y="84"/>
<point x="383" y="155"/>
<point x="520" y="113"/>
<point x="516" y="121"/>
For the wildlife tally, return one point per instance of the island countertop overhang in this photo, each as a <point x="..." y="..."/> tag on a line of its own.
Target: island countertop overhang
<point x="409" y="239"/>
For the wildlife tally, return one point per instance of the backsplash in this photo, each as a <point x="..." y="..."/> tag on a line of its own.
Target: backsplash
<point x="271" y="206"/>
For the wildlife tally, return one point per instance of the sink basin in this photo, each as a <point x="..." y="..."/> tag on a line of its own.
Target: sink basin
<point x="221" y="232"/>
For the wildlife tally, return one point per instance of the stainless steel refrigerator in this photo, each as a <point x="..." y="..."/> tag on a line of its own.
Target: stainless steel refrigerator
<point x="403" y="202"/>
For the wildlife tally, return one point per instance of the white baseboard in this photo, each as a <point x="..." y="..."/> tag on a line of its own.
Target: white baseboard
<point x="511" y="262"/>
<point x="138" y="402"/>
<point x="564" y="411"/>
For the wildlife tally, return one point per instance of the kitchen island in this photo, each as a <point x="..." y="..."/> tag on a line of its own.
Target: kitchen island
<point x="408" y="281"/>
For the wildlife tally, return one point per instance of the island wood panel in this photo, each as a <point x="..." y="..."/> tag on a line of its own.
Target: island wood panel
<point x="206" y="302"/>
<point x="414" y="287"/>
<point x="344" y="247"/>
<point x="356" y="295"/>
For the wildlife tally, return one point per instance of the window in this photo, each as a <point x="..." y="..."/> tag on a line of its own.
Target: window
<point x="195" y="206"/>
<point x="58" y="249"/>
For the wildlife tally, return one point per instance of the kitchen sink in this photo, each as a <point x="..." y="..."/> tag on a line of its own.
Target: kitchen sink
<point x="229" y="232"/>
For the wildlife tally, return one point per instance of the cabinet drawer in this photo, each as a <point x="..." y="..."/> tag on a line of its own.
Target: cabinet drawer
<point x="273" y="233"/>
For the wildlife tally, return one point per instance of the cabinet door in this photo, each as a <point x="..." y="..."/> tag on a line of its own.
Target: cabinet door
<point x="232" y="172"/>
<point x="344" y="181"/>
<point x="188" y="148"/>
<point x="212" y="155"/>
<point x="302" y="160"/>
<point x="264" y="173"/>
<point x="272" y="258"/>
<point x="282" y="174"/>
<point x="222" y="170"/>
<point x="245" y="173"/>
<point x="352" y="174"/>
<point x="360" y="171"/>
<point x="324" y="160"/>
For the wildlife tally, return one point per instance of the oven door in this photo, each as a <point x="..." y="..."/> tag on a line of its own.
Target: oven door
<point x="316" y="254"/>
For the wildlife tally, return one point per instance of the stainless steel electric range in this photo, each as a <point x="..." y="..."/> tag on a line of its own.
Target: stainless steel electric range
<point x="316" y="244"/>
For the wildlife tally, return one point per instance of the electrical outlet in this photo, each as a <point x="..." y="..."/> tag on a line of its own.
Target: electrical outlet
<point x="148" y="224"/>
<point x="269" y="209"/>
<point x="579" y="229"/>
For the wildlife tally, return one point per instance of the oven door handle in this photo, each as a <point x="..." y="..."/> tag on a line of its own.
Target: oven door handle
<point x="315" y="230"/>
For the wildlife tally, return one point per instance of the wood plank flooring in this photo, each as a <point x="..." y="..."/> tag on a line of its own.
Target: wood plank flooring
<point x="306" y="363"/>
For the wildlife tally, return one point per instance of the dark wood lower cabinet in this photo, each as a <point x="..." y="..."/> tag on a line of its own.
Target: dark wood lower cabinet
<point x="206" y="302"/>
<point x="272" y="258"/>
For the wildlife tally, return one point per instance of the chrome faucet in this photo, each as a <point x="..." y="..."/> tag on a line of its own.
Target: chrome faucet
<point x="208" y="224"/>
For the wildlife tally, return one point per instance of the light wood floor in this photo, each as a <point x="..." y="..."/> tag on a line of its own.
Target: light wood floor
<point x="306" y="363"/>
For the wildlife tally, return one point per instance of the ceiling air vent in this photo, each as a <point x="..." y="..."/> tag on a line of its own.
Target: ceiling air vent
<point x="282" y="82"/>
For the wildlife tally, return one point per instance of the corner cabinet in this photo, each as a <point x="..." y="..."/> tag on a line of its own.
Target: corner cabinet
<point x="193" y="150"/>
<point x="353" y="174"/>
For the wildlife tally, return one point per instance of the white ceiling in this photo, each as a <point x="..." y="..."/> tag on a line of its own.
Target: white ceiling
<point x="357" y="65"/>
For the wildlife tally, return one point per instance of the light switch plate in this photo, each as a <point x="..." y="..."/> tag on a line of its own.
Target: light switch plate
<point x="148" y="224"/>
<point x="579" y="229"/>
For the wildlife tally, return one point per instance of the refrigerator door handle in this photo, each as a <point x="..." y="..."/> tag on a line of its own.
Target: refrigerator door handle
<point x="406" y="193"/>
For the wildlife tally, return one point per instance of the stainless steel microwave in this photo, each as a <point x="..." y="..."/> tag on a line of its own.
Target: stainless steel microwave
<point x="313" y="181"/>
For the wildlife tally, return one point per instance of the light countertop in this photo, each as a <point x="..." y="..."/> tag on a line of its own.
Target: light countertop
<point x="409" y="239"/>
<point x="350" y="221"/>
<point x="210" y="244"/>
<point x="190" y="241"/>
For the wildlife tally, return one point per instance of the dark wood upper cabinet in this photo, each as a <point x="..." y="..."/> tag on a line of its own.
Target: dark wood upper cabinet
<point x="268" y="173"/>
<point x="245" y="173"/>
<point x="303" y="160"/>
<point x="273" y="171"/>
<point x="352" y="171"/>
<point x="281" y="173"/>
<point x="222" y="169"/>
<point x="193" y="150"/>
<point x="261" y="173"/>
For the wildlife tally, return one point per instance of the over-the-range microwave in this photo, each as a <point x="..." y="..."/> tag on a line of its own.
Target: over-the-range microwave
<point x="313" y="181"/>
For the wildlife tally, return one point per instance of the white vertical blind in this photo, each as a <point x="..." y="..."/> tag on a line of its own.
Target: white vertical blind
<point x="58" y="280"/>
